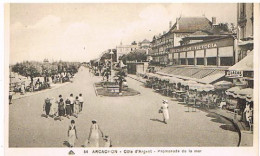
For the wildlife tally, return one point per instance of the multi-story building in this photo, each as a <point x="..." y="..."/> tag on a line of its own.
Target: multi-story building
<point x="183" y="27"/>
<point x="125" y="49"/>
<point x="201" y="50"/>
<point x="245" y="23"/>
<point x="242" y="73"/>
<point x="145" y="44"/>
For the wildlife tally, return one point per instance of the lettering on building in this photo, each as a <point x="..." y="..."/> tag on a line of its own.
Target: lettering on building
<point x="234" y="74"/>
<point x="197" y="47"/>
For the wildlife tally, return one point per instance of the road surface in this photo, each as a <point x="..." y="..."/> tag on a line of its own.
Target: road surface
<point x="131" y="121"/>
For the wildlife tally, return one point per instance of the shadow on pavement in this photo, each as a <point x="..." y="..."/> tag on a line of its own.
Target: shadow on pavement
<point x="66" y="143"/>
<point x="226" y="125"/>
<point x="157" y="120"/>
<point x="44" y="115"/>
<point x="216" y="118"/>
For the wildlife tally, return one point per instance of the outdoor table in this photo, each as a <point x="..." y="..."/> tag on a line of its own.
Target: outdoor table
<point x="191" y="102"/>
<point x="198" y="100"/>
<point x="179" y="93"/>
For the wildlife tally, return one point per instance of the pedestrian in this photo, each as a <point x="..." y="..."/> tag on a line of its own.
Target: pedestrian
<point x="60" y="97"/>
<point x="81" y="101"/>
<point x="223" y="104"/>
<point x="108" y="142"/>
<point x="249" y="113"/>
<point x="61" y="108"/>
<point x="54" y="107"/>
<point x="47" y="106"/>
<point x="72" y="134"/>
<point x="93" y="138"/>
<point x="76" y="107"/>
<point x="68" y="108"/>
<point x="165" y="111"/>
<point x="23" y="88"/>
<point x="72" y="101"/>
<point x="10" y="96"/>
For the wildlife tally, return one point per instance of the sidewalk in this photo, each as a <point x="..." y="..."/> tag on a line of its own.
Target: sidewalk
<point x="53" y="86"/>
<point x="246" y="137"/>
<point x="140" y="79"/>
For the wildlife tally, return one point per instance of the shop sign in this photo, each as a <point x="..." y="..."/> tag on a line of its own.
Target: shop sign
<point x="196" y="47"/>
<point x="234" y="74"/>
<point x="221" y="42"/>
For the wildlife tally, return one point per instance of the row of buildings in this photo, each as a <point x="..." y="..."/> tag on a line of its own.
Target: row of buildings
<point x="200" y="49"/>
<point x="123" y="49"/>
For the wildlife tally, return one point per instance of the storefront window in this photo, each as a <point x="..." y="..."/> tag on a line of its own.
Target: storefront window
<point x="191" y="61"/>
<point x="183" y="61"/>
<point x="226" y="61"/>
<point x="200" y="61"/>
<point x="175" y="58"/>
<point x="211" y="61"/>
<point x="175" y="62"/>
<point x="190" y="57"/>
<point x="200" y="57"/>
<point x="211" y="55"/>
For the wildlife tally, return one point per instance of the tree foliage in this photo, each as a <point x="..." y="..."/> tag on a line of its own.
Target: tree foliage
<point x="39" y="69"/>
<point x="138" y="55"/>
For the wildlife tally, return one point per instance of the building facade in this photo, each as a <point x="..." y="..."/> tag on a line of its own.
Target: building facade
<point x="242" y="73"/>
<point x="125" y="49"/>
<point x="213" y="52"/>
<point x="145" y="44"/>
<point x="183" y="27"/>
<point x="245" y="23"/>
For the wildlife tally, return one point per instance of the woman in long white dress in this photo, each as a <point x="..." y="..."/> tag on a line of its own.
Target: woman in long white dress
<point x="249" y="113"/>
<point x="72" y="134"/>
<point x="93" y="138"/>
<point x="54" y="107"/>
<point x="165" y="111"/>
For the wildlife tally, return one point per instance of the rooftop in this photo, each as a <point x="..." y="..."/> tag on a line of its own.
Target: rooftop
<point x="191" y="24"/>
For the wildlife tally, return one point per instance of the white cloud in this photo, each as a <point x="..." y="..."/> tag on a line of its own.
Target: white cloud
<point x="65" y="36"/>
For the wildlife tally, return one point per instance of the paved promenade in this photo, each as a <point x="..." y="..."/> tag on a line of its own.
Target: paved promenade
<point x="129" y="121"/>
<point x="246" y="137"/>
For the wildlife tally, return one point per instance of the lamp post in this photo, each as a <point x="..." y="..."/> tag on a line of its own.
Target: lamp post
<point x="111" y="53"/>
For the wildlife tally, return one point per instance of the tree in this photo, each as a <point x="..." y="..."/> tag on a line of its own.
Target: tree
<point x="134" y="43"/>
<point x="138" y="55"/>
<point x="224" y="26"/>
<point x="28" y="69"/>
<point x="120" y="77"/>
<point x="34" y="69"/>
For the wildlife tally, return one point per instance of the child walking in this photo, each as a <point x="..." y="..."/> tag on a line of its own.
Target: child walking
<point x="72" y="134"/>
<point x="108" y="142"/>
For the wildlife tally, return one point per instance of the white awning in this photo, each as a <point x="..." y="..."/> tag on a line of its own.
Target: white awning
<point x="240" y="43"/>
<point x="246" y="64"/>
<point x="212" y="78"/>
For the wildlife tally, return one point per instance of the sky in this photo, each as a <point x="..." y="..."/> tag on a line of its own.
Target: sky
<point x="81" y="32"/>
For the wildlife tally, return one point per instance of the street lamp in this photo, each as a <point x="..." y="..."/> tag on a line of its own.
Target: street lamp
<point x="111" y="53"/>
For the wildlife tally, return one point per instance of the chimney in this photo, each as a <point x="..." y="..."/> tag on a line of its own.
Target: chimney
<point x="170" y="24"/>
<point x="177" y="23"/>
<point x="214" y="21"/>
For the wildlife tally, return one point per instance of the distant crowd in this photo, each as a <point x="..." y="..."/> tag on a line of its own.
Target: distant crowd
<point x="67" y="107"/>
